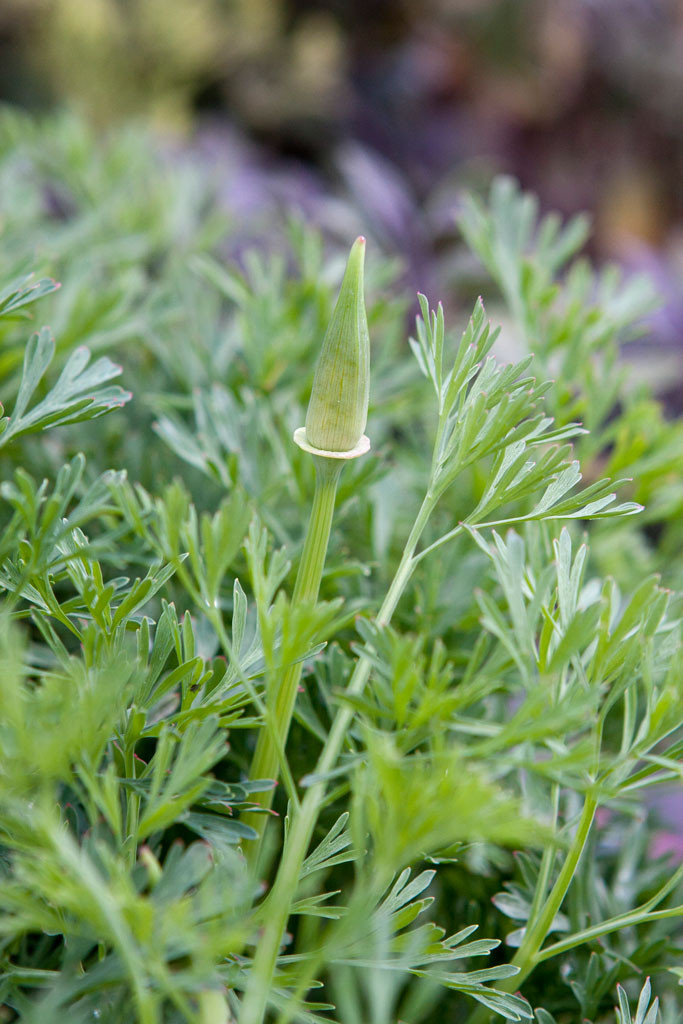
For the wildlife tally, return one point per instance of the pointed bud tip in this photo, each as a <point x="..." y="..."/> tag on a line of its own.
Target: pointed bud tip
<point x="355" y="264"/>
<point x="338" y="408"/>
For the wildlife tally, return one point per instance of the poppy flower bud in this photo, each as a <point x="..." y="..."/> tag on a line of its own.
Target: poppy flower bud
<point x="338" y="409"/>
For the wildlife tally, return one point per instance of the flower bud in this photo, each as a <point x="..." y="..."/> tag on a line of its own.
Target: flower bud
<point x="338" y="409"/>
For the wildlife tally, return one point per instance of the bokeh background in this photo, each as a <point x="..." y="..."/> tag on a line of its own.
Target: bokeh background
<point x="379" y="112"/>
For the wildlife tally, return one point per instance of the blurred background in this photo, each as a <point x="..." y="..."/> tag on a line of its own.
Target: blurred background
<point x="388" y="108"/>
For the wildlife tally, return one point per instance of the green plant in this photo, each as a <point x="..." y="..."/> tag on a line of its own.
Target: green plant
<point x="333" y="434"/>
<point x="574" y="319"/>
<point x="457" y="680"/>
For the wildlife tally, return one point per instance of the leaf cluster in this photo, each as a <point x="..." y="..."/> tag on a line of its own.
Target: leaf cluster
<point x="493" y="684"/>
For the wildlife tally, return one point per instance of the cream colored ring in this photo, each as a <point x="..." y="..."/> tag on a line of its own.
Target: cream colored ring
<point x="361" y="448"/>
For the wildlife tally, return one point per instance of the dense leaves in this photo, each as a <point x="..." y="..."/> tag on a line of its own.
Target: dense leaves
<point x="472" y="680"/>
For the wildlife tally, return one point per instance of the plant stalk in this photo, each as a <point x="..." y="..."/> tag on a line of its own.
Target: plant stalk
<point x="280" y="702"/>
<point x="303" y="824"/>
<point x="213" y="1007"/>
<point x="645" y="912"/>
<point x="527" y="956"/>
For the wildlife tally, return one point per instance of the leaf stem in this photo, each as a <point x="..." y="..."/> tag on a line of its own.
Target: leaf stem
<point x="640" y="915"/>
<point x="132" y="819"/>
<point x="525" y="957"/>
<point x="528" y="955"/>
<point x="547" y="861"/>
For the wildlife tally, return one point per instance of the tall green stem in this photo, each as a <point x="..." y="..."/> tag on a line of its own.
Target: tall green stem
<point x="280" y="702"/>
<point x="286" y="881"/>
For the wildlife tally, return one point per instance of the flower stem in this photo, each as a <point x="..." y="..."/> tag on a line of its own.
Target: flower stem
<point x="282" y="698"/>
<point x="303" y="823"/>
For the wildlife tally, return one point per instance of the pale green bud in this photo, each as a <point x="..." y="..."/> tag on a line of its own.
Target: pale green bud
<point x="338" y="409"/>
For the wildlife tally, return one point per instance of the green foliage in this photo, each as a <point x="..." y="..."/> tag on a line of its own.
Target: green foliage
<point x="646" y="1012"/>
<point x="574" y="318"/>
<point x="77" y="394"/>
<point x="399" y="801"/>
<point x="465" y="687"/>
